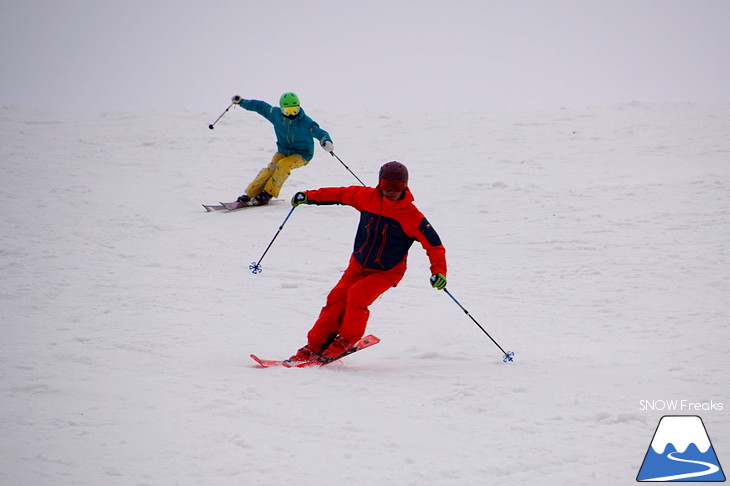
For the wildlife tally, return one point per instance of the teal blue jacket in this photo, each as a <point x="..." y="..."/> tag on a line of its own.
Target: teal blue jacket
<point x="293" y="135"/>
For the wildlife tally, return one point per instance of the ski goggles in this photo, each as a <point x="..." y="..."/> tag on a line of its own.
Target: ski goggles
<point x="290" y="110"/>
<point x="397" y="186"/>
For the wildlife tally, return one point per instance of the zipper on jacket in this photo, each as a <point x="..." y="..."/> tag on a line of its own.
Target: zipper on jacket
<point x="288" y="131"/>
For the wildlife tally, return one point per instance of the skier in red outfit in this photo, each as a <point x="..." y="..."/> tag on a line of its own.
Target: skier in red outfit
<point x="389" y="224"/>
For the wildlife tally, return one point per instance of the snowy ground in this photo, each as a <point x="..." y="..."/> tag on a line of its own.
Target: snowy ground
<point x="595" y="243"/>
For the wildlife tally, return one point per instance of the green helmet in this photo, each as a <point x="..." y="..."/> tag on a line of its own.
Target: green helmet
<point x="288" y="100"/>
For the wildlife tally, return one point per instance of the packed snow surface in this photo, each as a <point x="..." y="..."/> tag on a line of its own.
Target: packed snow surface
<point x="593" y="242"/>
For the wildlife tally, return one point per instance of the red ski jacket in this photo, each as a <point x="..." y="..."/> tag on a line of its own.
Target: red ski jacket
<point x="387" y="229"/>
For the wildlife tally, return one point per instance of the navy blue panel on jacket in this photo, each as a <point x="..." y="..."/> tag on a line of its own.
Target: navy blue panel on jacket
<point x="380" y="242"/>
<point x="387" y="229"/>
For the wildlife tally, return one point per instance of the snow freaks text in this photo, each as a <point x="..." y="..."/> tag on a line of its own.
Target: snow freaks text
<point x="680" y="406"/>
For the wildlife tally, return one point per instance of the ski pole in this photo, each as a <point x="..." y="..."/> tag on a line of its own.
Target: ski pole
<point x="346" y="167"/>
<point x="255" y="267"/>
<point x="507" y="354"/>
<point x="212" y="125"/>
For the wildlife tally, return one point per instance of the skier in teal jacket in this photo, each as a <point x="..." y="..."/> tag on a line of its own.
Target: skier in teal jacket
<point x="295" y="134"/>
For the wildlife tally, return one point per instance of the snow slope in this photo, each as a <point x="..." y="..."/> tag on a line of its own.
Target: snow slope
<point x="593" y="242"/>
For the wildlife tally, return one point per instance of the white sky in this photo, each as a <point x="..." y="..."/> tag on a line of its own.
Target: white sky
<point x="376" y="55"/>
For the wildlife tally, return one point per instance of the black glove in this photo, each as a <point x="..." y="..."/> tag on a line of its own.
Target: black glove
<point x="236" y="99"/>
<point x="299" y="198"/>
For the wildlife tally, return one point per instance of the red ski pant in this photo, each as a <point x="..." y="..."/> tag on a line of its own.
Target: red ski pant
<point x="346" y="311"/>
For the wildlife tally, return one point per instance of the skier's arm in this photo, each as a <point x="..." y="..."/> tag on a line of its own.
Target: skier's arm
<point x="334" y="195"/>
<point x="261" y="107"/>
<point x="435" y="250"/>
<point x="320" y="134"/>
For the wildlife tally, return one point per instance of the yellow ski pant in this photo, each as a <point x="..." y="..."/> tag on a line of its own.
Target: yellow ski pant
<point x="272" y="177"/>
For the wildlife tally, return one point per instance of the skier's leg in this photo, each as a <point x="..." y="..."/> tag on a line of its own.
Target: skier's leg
<point x="330" y="317"/>
<point x="258" y="184"/>
<point x="281" y="172"/>
<point x="360" y="296"/>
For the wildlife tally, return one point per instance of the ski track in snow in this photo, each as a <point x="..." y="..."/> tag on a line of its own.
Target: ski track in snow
<point x="592" y="242"/>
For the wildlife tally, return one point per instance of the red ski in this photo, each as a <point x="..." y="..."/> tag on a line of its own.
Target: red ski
<point x="267" y="363"/>
<point x="363" y="343"/>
